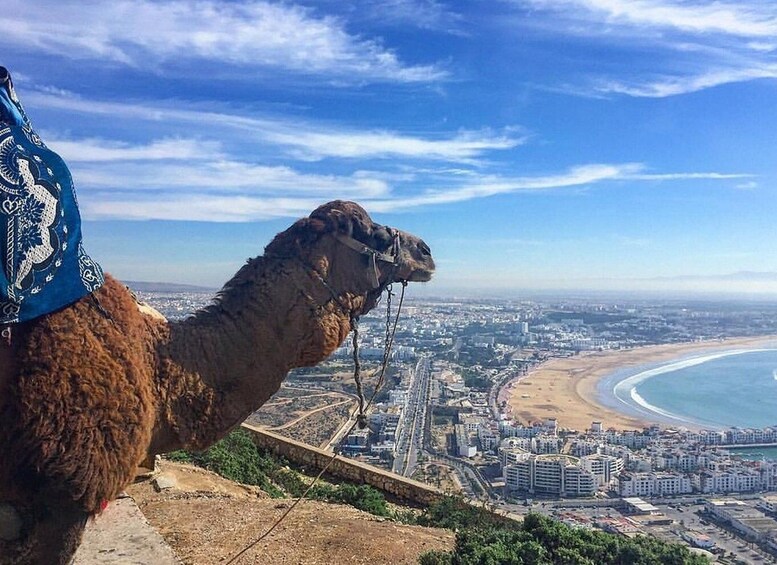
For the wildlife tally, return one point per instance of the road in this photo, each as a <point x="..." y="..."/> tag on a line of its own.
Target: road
<point x="413" y="422"/>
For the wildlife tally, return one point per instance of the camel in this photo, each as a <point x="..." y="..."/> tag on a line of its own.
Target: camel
<point x="89" y="392"/>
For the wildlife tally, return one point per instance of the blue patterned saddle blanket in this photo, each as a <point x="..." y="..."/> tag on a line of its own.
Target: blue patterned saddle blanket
<point x="44" y="266"/>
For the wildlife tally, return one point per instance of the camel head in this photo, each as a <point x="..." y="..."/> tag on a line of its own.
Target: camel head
<point x="352" y="254"/>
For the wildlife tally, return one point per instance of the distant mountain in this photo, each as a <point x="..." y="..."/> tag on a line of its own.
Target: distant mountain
<point x="142" y="286"/>
<point x="767" y="276"/>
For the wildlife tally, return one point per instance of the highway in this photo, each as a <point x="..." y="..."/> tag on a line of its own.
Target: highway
<point x="415" y="436"/>
<point x="413" y="421"/>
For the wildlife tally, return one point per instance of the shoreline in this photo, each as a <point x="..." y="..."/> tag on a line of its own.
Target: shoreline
<point x="568" y="388"/>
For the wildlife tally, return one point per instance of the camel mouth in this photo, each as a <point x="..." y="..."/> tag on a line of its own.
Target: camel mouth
<point x="420" y="276"/>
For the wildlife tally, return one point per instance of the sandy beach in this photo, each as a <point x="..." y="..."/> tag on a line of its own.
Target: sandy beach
<point x="566" y="388"/>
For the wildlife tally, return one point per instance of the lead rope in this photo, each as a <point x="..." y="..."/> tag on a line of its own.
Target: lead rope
<point x="358" y="413"/>
<point x="361" y="418"/>
<point x="388" y="340"/>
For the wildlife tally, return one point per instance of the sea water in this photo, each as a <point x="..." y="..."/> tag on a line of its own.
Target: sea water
<point x="716" y="390"/>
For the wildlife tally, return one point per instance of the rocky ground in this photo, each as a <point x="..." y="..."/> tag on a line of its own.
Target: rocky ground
<point x="207" y="520"/>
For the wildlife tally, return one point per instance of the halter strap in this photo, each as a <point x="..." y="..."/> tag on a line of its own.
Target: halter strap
<point x="364" y="249"/>
<point x="373" y="254"/>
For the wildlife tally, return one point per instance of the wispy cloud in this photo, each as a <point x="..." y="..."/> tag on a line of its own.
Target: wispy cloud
<point x="202" y="208"/>
<point x="302" y="140"/>
<point x="671" y="86"/>
<point x="233" y="175"/>
<point x="224" y="176"/>
<point x="102" y="150"/>
<point x="233" y="192"/>
<point x="686" y="176"/>
<point x="746" y="19"/>
<point x="246" y="34"/>
<point x="463" y="146"/>
<point x="423" y="14"/>
<point x="676" y="46"/>
<point x="591" y="174"/>
<point x="494" y="185"/>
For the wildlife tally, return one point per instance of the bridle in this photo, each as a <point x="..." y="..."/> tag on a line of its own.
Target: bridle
<point x="392" y="258"/>
<point x="374" y="256"/>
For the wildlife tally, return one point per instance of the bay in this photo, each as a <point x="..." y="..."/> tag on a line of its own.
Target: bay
<point x="737" y="389"/>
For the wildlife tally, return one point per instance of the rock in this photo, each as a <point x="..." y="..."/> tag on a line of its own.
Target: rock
<point x="164" y="482"/>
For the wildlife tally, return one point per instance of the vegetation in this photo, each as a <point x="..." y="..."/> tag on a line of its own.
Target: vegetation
<point x="237" y="458"/>
<point x="475" y="379"/>
<point x="483" y="538"/>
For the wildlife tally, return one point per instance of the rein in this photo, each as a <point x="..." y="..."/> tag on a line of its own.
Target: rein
<point x="359" y="415"/>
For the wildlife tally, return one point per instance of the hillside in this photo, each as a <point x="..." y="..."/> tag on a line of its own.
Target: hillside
<point x="206" y="519"/>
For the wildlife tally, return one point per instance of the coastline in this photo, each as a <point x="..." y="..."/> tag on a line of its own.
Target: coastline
<point x="568" y="388"/>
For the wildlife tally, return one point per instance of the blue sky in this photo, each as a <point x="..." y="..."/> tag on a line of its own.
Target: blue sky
<point x="564" y="144"/>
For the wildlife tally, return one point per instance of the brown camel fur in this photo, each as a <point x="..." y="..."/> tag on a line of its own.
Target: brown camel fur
<point x="90" y="391"/>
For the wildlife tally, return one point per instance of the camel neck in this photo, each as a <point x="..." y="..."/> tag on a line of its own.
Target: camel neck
<point x="230" y="358"/>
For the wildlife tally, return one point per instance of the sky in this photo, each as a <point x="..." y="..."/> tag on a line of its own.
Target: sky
<point x="533" y="144"/>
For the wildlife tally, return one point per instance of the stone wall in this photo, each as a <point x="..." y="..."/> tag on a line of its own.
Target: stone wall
<point x="346" y="469"/>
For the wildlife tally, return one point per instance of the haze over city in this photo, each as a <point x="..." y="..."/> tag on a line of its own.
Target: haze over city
<point x="538" y="144"/>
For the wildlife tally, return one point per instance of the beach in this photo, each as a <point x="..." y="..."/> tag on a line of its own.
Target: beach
<point x="566" y="388"/>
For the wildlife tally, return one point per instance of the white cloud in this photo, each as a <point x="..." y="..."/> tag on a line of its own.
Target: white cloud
<point x="225" y="176"/>
<point x="463" y="146"/>
<point x="676" y="47"/>
<point x="746" y="19"/>
<point x="203" y="179"/>
<point x="234" y="192"/>
<point x="201" y="207"/>
<point x="583" y="175"/>
<point x="102" y="150"/>
<point x="686" y="176"/>
<point x="303" y="140"/>
<point x="423" y="14"/>
<point x="672" y="86"/>
<point x="247" y="34"/>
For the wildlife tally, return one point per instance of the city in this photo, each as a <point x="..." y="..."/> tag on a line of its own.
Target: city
<point x="442" y="417"/>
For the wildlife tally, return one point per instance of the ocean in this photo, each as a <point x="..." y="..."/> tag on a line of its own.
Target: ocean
<point x="716" y="390"/>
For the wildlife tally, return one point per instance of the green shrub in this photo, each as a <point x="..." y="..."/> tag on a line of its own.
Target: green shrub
<point x="542" y="541"/>
<point x="435" y="558"/>
<point x="237" y="458"/>
<point x="453" y="513"/>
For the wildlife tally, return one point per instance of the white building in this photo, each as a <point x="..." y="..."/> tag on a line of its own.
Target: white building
<point x="489" y="441"/>
<point x="464" y="445"/>
<point x="737" y="480"/>
<point x="768" y="504"/>
<point x="653" y="484"/>
<point x="559" y="475"/>
<point x="605" y="468"/>
<point x="546" y="444"/>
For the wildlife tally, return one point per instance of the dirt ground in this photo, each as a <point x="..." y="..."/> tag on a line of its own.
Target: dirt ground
<point x="208" y="520"/>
